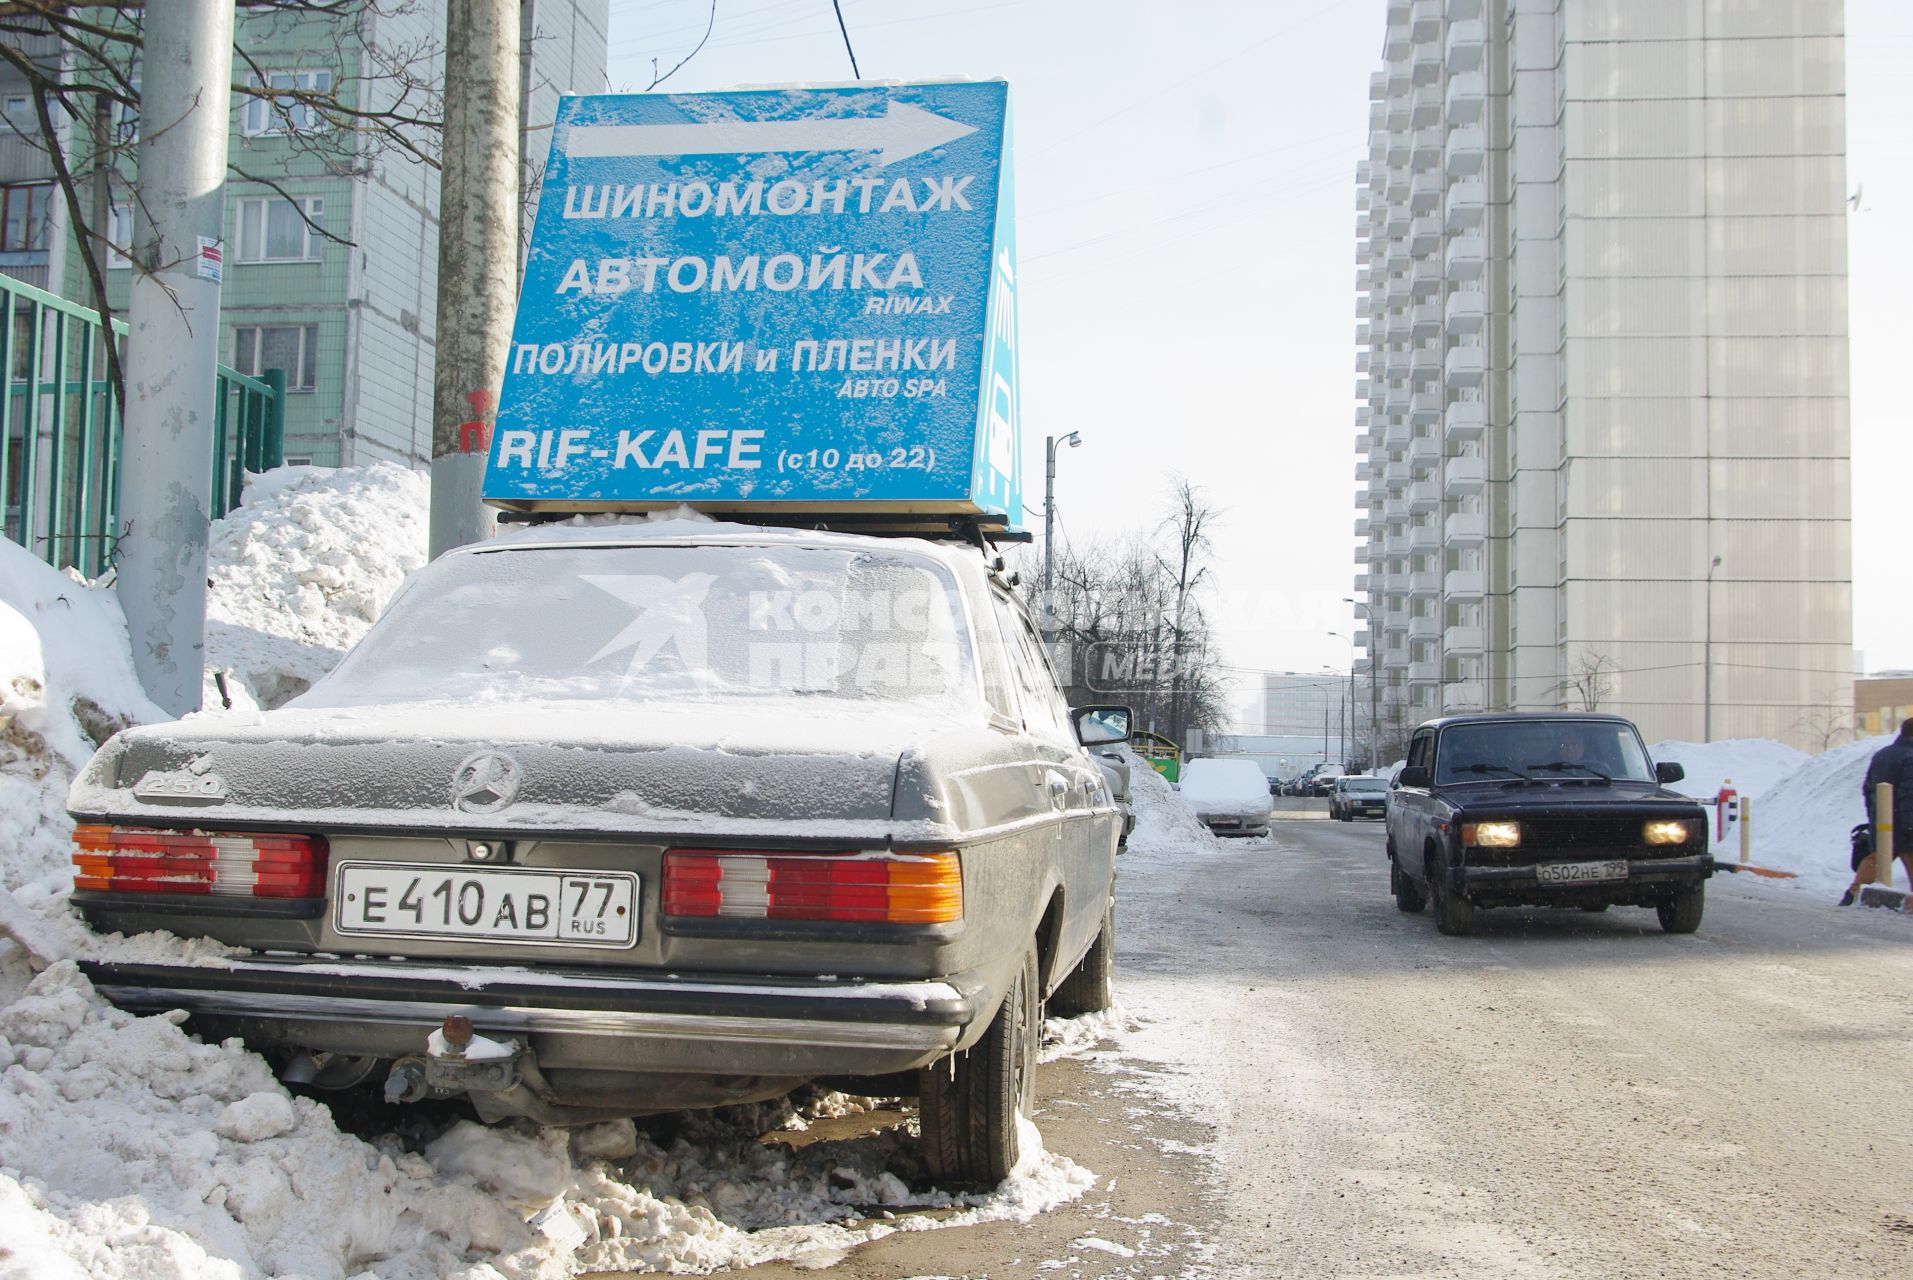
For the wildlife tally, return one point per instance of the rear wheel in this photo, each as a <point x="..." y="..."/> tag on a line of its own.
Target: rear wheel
<point x="1454" y="914"/>
<point x="1681" y="914"/>
<point x="969" y="1103"/>
<point x="1408" y="895"/>
<point x="1087" y="989"/>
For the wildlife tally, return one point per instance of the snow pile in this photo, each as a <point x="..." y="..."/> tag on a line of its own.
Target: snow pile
<point x="1805" y="822"/>
<point x="1164" y="823"/>
<point x="66" y="685"/>
<point x="129" y="1149"/>
<point x="303" y="567"/>
<point x="1755" y="765"/>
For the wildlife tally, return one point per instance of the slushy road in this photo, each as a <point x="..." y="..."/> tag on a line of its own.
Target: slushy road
<point x="1563" y="1094"/>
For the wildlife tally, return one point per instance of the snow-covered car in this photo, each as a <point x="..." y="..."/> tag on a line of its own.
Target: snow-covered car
<point x="603" y="821"/>
<point x="1230" y="796"/>
<point x="1352" y="798"/>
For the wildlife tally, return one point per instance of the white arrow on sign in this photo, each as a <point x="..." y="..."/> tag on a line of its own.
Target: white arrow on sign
<point x="906" y="131"/>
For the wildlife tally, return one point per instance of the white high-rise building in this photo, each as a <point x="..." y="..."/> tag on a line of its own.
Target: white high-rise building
<point x="1603" y="360"/>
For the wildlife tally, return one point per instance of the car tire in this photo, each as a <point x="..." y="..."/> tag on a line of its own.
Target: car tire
<point x="1087" y="989"/>
<point x="969" y="1103"/>
<point x="1409" y="898"/>
<point x="1682" y="913"/>
<point x="1454" y="914"/>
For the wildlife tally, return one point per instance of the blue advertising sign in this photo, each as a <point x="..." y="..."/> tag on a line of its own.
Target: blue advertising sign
<point x="783" y="299"/>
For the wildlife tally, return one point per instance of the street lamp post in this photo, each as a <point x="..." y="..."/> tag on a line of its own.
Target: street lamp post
<point x="1707" y="661"/>
<point x="1374" y="721"/>
<point x="1354" y="723"/>
<point x="1049" y="525"/>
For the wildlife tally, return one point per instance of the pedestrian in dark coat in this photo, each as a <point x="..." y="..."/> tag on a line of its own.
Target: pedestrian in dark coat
<point x="1893" y="764"/>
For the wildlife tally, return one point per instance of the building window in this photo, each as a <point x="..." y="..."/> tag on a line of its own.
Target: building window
<point x="268" y="116"/>
<point x="119" y="235"/>
<point x="279" y="230"/>
<point x="292" y="347"/>
<point x="23" y="216"/>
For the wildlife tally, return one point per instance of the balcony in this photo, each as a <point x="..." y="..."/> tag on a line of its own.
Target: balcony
<point x="1424" y="105"/>
<point x="1395" y="182"/>
<point x="1361" y="583"/>
<point x="1424" y="628"/>
<point x="1463" y="475"/>
<point x="1463" y="258"/>
<point x="1465" y="366"/>
<point x="1464" y="311"/>
<point x="1424" y="192"/>
<point x="1463" y="584"/>
<point x="1424" y="410"/>
<point x="1427" y="148"/>
<point x="1361" y="360"/>
<point x="1467" y="201"/>
<point x="1361" y="526"/>
<point x="1424" y="236"/>
<point x="1424" y="450"/>
<point x="1395" y="398"/>
<point x="1424" y="19"/>
<point x="1425" y="320"/>
<point x="1424" y="539"/>
<point x="1396" y="509"/>
<point x="1426" y="360"/>
<point x="1468" y="695"/>
<point x="1378" y="87"/>
<point x="1425" y="584"/>
<point x="1465" y="420"/>
<point x="1398" y="221"/>
<point x="1459" y="10"/>
<point x="1464" y="151"/>
<point x="1424" y="67"/>
<point x="1396" y="621"/>
<point x="1461" y="640"/>
<point x="1364" y="472"/>
<point x="1464" y="528"/>
<point x="1466" y="44"/>
<point x="1425" y="496"/>
<point x="1395" y="546"/>
<point x="1424" y="672"/>
<point x="1467" y="98"/>
<point x="1363" y="415"/>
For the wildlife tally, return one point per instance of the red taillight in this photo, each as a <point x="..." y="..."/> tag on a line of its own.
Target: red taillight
<point x="886" y="888"/>
<point x="228" y="863"/>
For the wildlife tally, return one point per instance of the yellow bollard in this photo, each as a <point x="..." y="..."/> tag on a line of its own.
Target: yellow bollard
<point x="1883" y="834"/>
<point x="1746" y="830"/>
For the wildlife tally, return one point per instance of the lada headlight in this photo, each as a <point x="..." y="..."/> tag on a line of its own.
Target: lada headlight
<point x="1668" y="831"/>
<point x="1491" y="835"/>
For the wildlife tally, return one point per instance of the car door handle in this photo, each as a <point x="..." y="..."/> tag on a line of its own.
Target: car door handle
<point x="1058" y="787"/>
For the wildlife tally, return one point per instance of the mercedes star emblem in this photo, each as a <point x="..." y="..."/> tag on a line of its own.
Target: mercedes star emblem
<point x="485" y="783"/>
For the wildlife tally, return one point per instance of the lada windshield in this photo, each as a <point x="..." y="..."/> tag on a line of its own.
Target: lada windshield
<point x="1550" y="750"/>
<point x="645" y="623"/>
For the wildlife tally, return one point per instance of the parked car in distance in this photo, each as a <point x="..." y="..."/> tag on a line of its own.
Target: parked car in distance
<point x="1230" y="796"/>
<point x="1353" y="798"/>
<point x="606" y="821"/>
<point x="1324" y="779"/>
<point x="1549" y="809"/>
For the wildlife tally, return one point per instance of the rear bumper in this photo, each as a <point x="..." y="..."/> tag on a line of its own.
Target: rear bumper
<point x="575" y="1018"/>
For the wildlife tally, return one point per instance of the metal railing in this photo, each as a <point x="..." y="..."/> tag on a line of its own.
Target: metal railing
<point x="60" y="430"/>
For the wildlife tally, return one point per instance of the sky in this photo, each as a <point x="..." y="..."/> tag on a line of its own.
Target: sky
<point x="1186" y="245"/>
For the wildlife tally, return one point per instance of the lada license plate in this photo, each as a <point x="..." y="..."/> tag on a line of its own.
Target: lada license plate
<point x="550" y="908"/>
<point x="1580" y="872"/>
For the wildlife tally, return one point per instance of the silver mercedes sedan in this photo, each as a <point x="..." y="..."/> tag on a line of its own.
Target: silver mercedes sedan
<point x="606" y="820"/>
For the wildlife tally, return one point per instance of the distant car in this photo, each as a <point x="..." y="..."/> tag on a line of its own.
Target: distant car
<point x="1325" y="779"/>
<point x="1552" y="810"/>
<point x="1115" y="767"/>
<point x="1231" y="796"/>
<point x="1353" y="798"/>
<point x="591" y="824"/>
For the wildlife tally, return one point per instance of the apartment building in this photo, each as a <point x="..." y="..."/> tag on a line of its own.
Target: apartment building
<point x="1602" y="359"/>
<point x="350" y="319"/>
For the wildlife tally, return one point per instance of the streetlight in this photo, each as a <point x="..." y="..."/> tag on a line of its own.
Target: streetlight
<point x="1374" y="722"/>
<point x="1351" y="692"/>
<point x="1073" y="440"/>
<point x="1707" y="661"/>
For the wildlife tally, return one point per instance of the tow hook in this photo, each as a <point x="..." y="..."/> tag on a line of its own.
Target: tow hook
<point x="456" y="1060"/>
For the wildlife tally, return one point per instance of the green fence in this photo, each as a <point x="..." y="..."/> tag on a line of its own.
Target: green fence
<point x="60" y="424"/>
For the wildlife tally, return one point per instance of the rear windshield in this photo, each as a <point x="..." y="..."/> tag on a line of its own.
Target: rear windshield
<point x="1541" y="749"/>
<point x="590" y="623"/>
<point x="1367" y="784"/>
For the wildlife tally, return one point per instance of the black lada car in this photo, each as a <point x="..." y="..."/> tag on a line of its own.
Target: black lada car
<point x="1553" y="810"/>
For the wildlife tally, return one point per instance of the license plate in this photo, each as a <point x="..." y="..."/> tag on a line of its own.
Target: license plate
<point x="495" y="904"/>
<point x="1577" y="872"/>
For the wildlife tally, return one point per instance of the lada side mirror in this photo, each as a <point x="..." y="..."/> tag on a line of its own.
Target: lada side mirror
<point x="1669" y="773"/>
<point x="1097" y="725"/>
<point x="1414" y="775"/>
